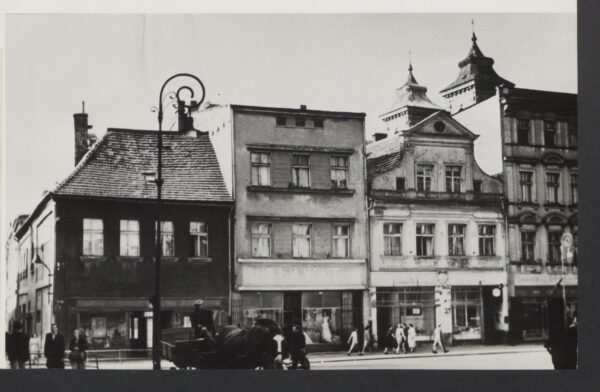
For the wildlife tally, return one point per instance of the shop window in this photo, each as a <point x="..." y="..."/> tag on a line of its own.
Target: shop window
<point x="527" y="246"/>
<point x="167" y="236"/>
<point x="261" y="239"/>
<point x="453" y="179"/>
<point x="425" y="239"/>
<point x="574" y="193"/>
<point x="341" y="241"/>
<point x="424" y="177"/>
<point x="392" y="239"/>
<point x="466" y="311"/>
<point x="552" y="187"/>
<point x="322" y="316"/>
<point x="339" y="172"/>
<point x="456" y="240"/>
<point x="261" y="305"/>
<point x="523" y="132"/>
<point x="261" y="168"/>
<point x="526" y="183"/>
<point x="487" y="240"/>
<point x="301" y="240"/>
<point x="93" y="237"/>
<point x="301" y="171"/>
<point x="130" y="238"/>
<point x="550" y="134"/>
<point x="198" y="239"/>
<point x="554" y="246"/>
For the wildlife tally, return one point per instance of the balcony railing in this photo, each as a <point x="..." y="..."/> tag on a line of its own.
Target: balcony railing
<point x="442" y="197"/>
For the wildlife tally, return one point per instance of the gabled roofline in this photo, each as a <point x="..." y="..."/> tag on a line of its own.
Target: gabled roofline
<point x="36" y="212"/>
<point x="474" y="136"/>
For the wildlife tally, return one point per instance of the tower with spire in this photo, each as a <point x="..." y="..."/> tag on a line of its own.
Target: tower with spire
<point x="476" y="80"/>
<point x="410" y="106"/>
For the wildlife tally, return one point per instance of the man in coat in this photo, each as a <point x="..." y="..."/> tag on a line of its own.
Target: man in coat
<point x="297" y="345"/>
<point x="54" y="349"/>
<point x="202" y="321"/>
<point x="19" y="347"/>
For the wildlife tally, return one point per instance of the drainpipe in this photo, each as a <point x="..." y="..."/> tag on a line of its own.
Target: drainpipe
<point x="229" y="263"/>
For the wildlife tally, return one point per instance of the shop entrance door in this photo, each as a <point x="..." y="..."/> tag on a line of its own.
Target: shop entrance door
<point x="292" y="308"/>
<point x="491" y="316"/>
<point x="137" y="330"/>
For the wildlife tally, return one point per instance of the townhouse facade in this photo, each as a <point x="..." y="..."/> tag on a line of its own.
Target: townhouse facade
<point x="531" y="137"/>
<point x="438" y="253"/>
<point x="297" y="176"/>
<point x="90" y="243"/>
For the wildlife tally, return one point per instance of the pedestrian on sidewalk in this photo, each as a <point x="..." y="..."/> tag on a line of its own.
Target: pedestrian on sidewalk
<point x="353" y="340"/>
<point x="18" y="353"/>
<point x="54" y="349"/>
<point x="412" y="338"/>
<point x="35" y="348"/>
<point x="400" y="338"/>
<point x="366" y="340"/>
<point x="390" y="340"/>
<point x="78" y="347"/>
<point x="437" y="339"/>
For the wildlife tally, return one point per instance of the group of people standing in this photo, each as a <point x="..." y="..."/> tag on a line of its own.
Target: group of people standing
<point x="20" y="348"/>
<point x="400" y="337"/>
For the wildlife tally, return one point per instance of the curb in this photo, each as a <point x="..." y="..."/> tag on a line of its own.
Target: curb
<point x="315" y="359"/>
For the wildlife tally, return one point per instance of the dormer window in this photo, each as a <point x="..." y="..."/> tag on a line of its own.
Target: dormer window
<point x="453" y="179"/>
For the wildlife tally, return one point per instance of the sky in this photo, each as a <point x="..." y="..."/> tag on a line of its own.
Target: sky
<point x="117" y="64"/>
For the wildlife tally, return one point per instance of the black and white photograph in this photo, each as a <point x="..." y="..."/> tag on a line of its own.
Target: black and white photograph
<point x="290" y="191"/>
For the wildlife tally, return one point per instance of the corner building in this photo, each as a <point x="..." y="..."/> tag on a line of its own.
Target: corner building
<point x="300" y="216"/>
<point x="436" y="226"/>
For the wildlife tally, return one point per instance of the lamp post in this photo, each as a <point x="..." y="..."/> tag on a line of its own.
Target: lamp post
<point x="155" y="299"/>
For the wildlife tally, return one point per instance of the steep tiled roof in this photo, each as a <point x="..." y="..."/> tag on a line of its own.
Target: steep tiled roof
<point x="114" y="168"/>
<point x="411" y="93"/>
<point x="383" y="155"/>
<point x="476" y="66"/>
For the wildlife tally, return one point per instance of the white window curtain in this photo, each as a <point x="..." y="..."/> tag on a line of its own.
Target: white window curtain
<point x="261" y="240"/>
<point x="301" y="237"/>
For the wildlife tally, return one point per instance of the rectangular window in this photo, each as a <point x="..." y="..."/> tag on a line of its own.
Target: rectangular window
<point x="261" y="239"/>
<point x="167" y="236"/>
<point x="339" y="172"/>
<point x="487" y="240"/>
<point x="301" y="239"/>
<point x="93" y="237"/>
<point x="261" y="168"/>
<point x="281" y="121"/>
<point x="301" y="171"/>
<point x="526" y="182"/>
<point x="574" y="194"/>
<point x="130" y="238"/>
<point x="527" y="245"/>
<point x="425" y="239"/>
<point x="552" y="187"/>
<point x="550" y="134"/>
<point x="424" y="177"/>
<point x="341" y="241"/>
<point x="300" y="122"/>
<point x="318" y="122"/>
<point x="392" y="239"/>
<point x="453" y="179"/>
<point x="572" y="135"/>
<point x="456" y="240"/>
<point x="477" y="186"/>
<point x="400" y="183"/>
<point x="198" y="239"/>
<point x="554" y="247"/>
<point x="523" y="132"/>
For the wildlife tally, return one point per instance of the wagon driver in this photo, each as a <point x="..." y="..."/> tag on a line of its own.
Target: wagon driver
<point x="202" y="321"/>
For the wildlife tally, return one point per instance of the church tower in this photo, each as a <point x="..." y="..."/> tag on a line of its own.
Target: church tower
<point x="476" y="81"/>
<point x="411" y="106"/>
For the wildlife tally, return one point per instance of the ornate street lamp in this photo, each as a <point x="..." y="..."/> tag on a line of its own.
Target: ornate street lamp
<point x="181" y="106"/>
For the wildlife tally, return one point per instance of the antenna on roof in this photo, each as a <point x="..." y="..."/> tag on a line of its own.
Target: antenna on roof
<point x="82" y="106"/>
<point x="474" y="37"/>
<point x="410" y="68"/>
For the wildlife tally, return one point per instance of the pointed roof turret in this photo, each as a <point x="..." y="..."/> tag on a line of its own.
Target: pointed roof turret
<point x="411" y="93"/>
<point x="477" y="67"/>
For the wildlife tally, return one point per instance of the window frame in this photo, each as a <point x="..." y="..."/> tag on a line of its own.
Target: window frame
<point x="424" y="237"/>
<point x="92" y="234"/>
<point x="199" y="235"/>
<point x="552" y="188"/>
<point x="258" y="235"/>
<point x="129" y="234"/>
<point x="529" y="243"/>
<point x="337" y="236"/>
<point x="550" y="130"/>
<point x="281" y="121"/>
<point x="453" y="179"/>
<point x="307" y="237"/>
<point x="528" y="183"/>
<point x="484" y="238"/>
<point x="257" y="166"/>
<point x="164" y="233"/>
<point x="423" y="177"/>
<point x="454" y="238"/>
<point x="523" y="126"/>
<point x="300" y="122"/>
<point x="553" y="255"/>
<point x="298" y="167"/>
<point x="390" y="236"/>
<point x="338" y="168"/>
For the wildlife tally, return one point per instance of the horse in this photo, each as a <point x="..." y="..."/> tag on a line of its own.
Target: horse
<point x="260" y="347"/>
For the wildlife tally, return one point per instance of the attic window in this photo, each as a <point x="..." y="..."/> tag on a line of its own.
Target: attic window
<point x="439" y="126"/>
<point x="280" y="121"/>
<point x="300" y="122"/>
<point x="318" y="123"/>
<point x="477" y="186"/>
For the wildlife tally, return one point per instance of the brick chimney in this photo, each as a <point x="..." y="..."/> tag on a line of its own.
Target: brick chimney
<point x="83" y="139"/>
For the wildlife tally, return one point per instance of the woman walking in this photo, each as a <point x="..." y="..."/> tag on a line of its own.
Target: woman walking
<point x="353" y="340"/>
<point x="400" y="338"/>
<point x="412" y="338"/>
<point x="366" y="340"/>
<point x="390" y="340"/>
<point x="78" y="347"/>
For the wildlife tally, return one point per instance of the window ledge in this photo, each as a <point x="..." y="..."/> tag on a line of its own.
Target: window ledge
<point x="129" y="259"/>
<point x="427" y="257"/>
<point x="488" y="257"/>
<point x="168" y="259"/>
<point x="199" y="259"/>
<point x="301" y="261"/>
<point x="271" y="189"/>
<point x="92" y="259"/>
